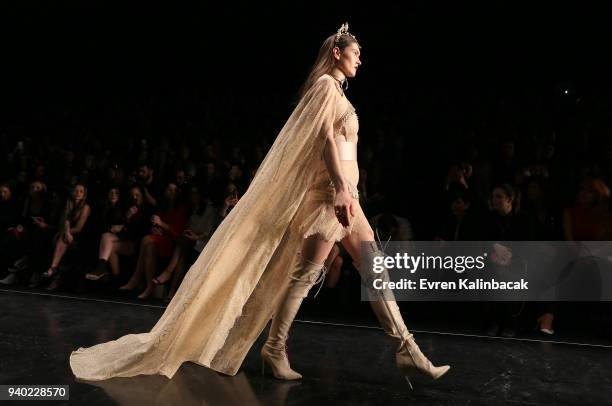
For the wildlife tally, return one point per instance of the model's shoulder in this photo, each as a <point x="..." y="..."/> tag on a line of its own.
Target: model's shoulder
<point x="326" y="76"/>
<point x="327" y="81"/>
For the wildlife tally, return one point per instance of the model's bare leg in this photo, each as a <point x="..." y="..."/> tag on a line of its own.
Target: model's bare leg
<point x="408" y="357"/>
<point x="308" y="269"/>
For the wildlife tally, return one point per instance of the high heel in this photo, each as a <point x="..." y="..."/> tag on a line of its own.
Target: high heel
<point x="409" y="358"/>
<point x="274" y="351"/>
<point x="278" y="363"/>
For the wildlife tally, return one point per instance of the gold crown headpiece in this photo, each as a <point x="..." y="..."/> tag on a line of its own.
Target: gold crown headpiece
<point x="343" y="30"/>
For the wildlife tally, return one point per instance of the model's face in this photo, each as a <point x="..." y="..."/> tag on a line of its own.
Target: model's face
<point x="348" y="60"/>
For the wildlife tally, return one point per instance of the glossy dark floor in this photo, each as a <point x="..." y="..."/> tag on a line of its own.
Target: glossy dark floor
<point x="341" y="364"/>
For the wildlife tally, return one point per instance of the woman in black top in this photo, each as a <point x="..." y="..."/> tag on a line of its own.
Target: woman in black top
<point x="123" y="237"/>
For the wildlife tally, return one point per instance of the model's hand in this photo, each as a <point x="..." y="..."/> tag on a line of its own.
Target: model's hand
<point x="344" y="207"/>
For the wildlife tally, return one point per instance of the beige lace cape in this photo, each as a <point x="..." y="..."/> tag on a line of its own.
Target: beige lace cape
<point x="230" y="292"/>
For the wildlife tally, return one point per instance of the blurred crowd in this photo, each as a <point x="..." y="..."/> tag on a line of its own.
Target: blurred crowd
<point x="131" y="213"/>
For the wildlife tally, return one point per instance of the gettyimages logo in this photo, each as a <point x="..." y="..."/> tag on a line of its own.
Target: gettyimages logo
<point x="491" y="271"/>
<point x="410" y="263"/>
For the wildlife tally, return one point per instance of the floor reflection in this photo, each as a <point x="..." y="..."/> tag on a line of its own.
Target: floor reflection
<point x="196" y="385"/>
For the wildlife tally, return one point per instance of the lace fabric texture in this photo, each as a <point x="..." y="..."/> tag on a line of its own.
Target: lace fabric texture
<point x="230" y="292"/>
<point x="317" y="214"/>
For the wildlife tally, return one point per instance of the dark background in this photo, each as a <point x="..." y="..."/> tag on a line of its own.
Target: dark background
<point x="438" y="76"/>
<point x="433" y="72"/>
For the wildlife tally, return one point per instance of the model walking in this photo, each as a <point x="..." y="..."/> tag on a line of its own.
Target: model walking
<point x="269" y="251"/>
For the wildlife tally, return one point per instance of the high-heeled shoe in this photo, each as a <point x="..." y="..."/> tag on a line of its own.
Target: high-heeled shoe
<point x="411" y="361"/>
<point x="274" y="351"/>
<point x="409" y="358"/>
<point x="278" y="362"/>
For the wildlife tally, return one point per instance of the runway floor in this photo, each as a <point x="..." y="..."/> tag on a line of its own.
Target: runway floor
<point x="341" y="364"/>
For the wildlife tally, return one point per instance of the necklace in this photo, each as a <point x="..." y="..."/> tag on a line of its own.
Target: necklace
<point x="341" y="82"/>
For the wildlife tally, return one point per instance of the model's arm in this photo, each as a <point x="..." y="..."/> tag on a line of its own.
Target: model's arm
<point x="343" y="203"/>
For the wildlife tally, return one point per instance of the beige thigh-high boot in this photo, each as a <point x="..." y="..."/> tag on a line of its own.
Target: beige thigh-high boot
<point x="305" y="275"/>
<point x="408" y="356"/>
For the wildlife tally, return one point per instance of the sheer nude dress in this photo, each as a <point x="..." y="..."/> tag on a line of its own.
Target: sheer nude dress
<point x="317" y="214"/>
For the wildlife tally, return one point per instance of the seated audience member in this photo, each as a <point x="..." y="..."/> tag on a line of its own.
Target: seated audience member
<point x="582" y="221"/>
<point x="166" y="226"/>
<point x="543" y="224"/>
<point x="34" y="232"/>
<point x="148" y="182"/>
<point x="460" y="223"/>
<point x="75" y="215"/>
<point x="9" y="216"/>
<point x="123" y="239"/>
<point x="503" y="224"/>
<point x="203" y="220"/>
